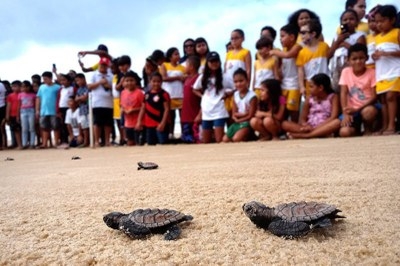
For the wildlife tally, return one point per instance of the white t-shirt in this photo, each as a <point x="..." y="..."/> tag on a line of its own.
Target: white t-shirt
<point x="102" y="97"/>
<point x="2" y="95"/>
<point x="243" y="104"/>
<point x="212" y="103"/>
<point x="72" y="118"/>
<point x="65" y="93"/>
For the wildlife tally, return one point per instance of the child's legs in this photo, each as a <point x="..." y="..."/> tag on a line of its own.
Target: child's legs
<point x="219" y="125"/>
<point x="368" y="116"/>
<point x="130" y="135"/>
<point x="172" y="115"/>
<point x="324" y="130"/>
<point x="346" y="132"/>
<point x="384" y="110"/>
<point x="207" y="128"/>
<point x="32" y="129"/>
<point x="241" y="134"/>
<point x="63" y="127"/>
<point x="291" y="127"/>
<point x="391" y="100"/>
<point x="162" y="136"/>
<point x="151" y="136"/>
<point x="257" y="125"/>
<point x="24" y="117"/>
<point x="292" y="103"/>
<point x="272" y="126"/>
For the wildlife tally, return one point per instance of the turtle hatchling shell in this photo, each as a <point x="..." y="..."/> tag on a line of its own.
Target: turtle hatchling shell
<point x="303" y="211"/>
<point x="153" y="218"/>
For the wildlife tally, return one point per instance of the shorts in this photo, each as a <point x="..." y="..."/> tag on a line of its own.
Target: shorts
<point x="103" y="117"/>
<point x="235" y="127"/>
<point x="84" y="121"/>
<point x="135" y="135"/>
<point x="357" y="118"/>
<point x="14" y="124"/>
<point x="384" y="86"/>
<point x="210" y="124"/>
<point x="176" y="103"/>
<point x="49" y="122"/>
<point x="292" y="99"/>
<point x="117" y="108"/>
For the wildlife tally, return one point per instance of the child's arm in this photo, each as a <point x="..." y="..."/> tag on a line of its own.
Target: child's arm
<point x="100" y="53"/>
<point x="292" y="53"/>
<point x="338" y="42"/>
<point x="304" y="112"/>
<point x="8" y="109"/>
<point x="70" y="133"/>
<point x="140" y="118"/>
<point x="37" y="107"/>
<point x="247" y="62"/>
<point x="163" y="72"/>
<point x="281" y="112"/>
<point x="301" y="76"/>
<point x="276" y="70"/>
<point x="254" y="77"/>
<point x="378" y="53"/>
<point x="252" y="111"/>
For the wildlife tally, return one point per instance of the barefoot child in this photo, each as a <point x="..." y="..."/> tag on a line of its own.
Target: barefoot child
<point x="82" y="100"/>
<point x="271" y="110"/>
<point x="320" y="110"/>
<point x="357" y="93"/>
<point x="26" y="109"/>
<point x="243" y="108"/>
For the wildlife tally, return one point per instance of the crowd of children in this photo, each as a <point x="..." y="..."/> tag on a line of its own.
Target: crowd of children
<point x="307" y="89"/>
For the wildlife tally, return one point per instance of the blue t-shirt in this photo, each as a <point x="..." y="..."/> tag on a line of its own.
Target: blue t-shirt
<point x="48" y="99"/>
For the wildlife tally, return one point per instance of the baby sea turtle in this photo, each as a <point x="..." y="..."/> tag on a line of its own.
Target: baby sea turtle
<point x="143" y="222"/>
<point x="147" y="165"/>
<point x="75" y="158"/>
<point x="291" y="220"/>
<point x="9" y="159"/>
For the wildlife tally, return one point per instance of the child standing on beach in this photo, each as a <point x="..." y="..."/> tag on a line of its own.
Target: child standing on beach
<point x="202" y="50"/>
<point x="155" y="112"/>
<point x="338" y="50"/>
<point x="173" y="75"/>
<point x="66" y="91"/>
<point x="12" y="115"/>
<point x="132" y="100"/>
<point x="26" y="109"/>
<point x="271" y="110"/>
<point x="320" y="110"/>
<point x="191" y="116"/>
<point x="357" y="94"/>
<point x="72" y="121"/>
<point x="387" y="63"/>
<point x="313" y="58"/>
<point x="243" y="108"/>
<point x="81" y="99"/>
<point x="373" y="31"/>
<point x="212" y="87"/>
<point x="266" y="66"/>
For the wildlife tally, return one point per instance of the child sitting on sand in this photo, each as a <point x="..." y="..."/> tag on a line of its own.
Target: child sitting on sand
<point x="320" y="110"/>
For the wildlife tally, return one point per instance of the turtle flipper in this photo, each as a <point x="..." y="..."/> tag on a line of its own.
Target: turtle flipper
<point x="289" y="229"/>
<point x="133" y="229"/>
<point x="173" y="232"/>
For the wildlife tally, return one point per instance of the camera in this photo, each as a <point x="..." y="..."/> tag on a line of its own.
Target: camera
<point x="344" y="28"/>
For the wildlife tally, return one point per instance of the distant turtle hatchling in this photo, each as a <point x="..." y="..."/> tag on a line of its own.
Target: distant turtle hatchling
<point x="9" y="159"/>
<point x="143" y="222"/>
<point x="75" y="158"/>
<point x="291" y="220"/>
<point x="147" y="165"/>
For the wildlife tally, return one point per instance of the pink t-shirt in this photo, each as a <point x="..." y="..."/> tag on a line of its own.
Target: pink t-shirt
<point x="360" y="88"/>
<point x="130" y="100"/>
<point x="27" y="100"/>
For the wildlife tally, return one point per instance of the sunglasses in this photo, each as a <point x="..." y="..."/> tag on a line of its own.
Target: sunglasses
<point x="188" y="45"/>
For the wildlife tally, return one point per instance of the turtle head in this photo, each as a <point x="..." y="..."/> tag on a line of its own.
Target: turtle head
<point x="258" y="213"/>
<point x="113" y="219"/>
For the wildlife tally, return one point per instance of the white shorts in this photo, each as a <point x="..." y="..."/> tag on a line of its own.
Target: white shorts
<point x="84" y="121"/>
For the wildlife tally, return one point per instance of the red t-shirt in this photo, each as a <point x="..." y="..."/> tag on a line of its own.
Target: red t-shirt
<point x="191" y="102"/>
<point x="12" y="100"/>
<point x="154" y="105"/>
<point x="130" y="100"/>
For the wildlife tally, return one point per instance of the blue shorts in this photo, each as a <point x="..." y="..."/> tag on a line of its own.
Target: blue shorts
<point x="210" y="124"/>
<point x="357" y="118"/>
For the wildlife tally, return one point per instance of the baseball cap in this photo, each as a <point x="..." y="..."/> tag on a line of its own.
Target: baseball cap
<point x="213" y="56"/>
<point x="104" y="61"/>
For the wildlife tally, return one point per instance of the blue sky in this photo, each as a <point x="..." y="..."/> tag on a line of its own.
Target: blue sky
<point x="37" y="33"/>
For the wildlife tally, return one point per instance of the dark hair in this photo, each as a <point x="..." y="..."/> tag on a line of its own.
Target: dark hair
<point x="358" y="47"/>
<point x="17" y="83"/>
<point x="67" y="77"/>
<point x="47" y="74"/>
<point x="201" y="40"/>
<point x="387" y="11"/>
<point x="264" y="42"/>
<point x="349" y="11"/>
<point x="274" y="91"/>
<point x="28" y="84"/>
<point x="323" y="80"/>
<point x="291" y="30"/>
<point x="241" y="71"/>
<point x="194" y="60"/>
<point x="156" y="74"/>
<point x="134" y="75"/>
<point x="157" y="55"/>
<point x="80" y="76"/>
<point x="124" y="60"/>
<point x="240" y="32"/>
<point x="350" y="4"/>
<point x="295" y="16"/>
<point x="170" y="52"/>
<point x="314" y="25"/>
<point x="271" y="30"/>
<point x="185" y="56"/>
<point x="227" y="45"/>
<point x="207" y="75"/>
<point x="102" y="47"/>
<point x="36" y="77"/>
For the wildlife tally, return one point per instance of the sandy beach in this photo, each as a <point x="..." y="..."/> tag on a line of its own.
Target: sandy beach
<point x="52" y="206"/>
